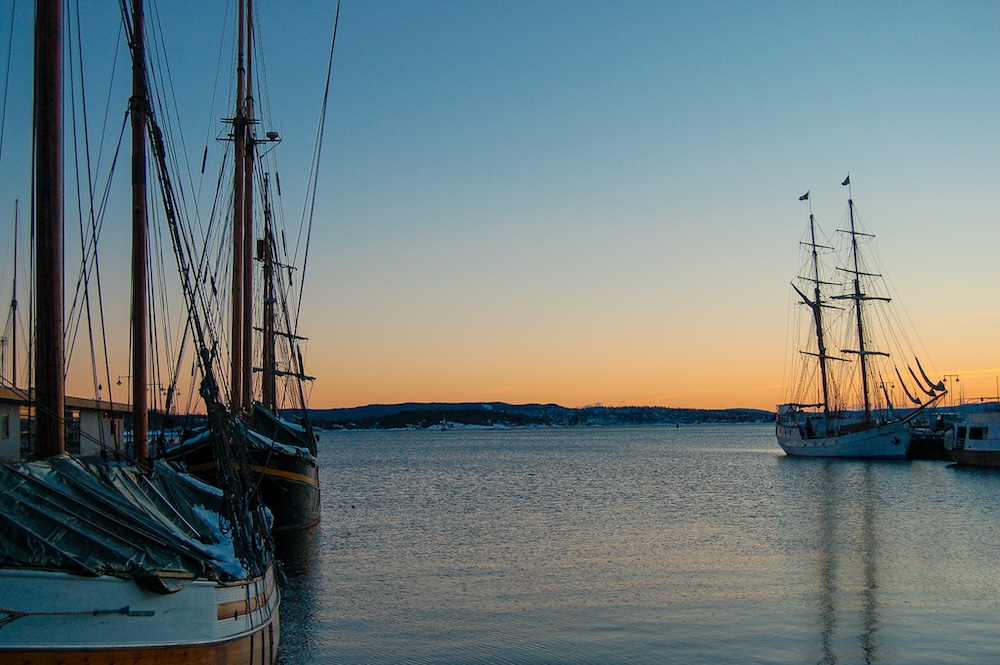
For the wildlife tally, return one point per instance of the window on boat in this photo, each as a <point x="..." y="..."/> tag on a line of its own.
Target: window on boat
<point x="961" y="432"/>
<point x="977" y="433"/>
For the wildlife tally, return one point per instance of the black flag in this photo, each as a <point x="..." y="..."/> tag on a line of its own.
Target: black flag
<point x="804" y="197"/>
<point x="847" y="181"/>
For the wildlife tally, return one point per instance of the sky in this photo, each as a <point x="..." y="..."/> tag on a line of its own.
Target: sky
<point x="598" y="202"/>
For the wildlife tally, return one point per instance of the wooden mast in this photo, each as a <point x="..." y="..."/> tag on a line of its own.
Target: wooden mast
<point x="268" y="389"/>
<point x="50" y="381"/>
<point x="248" y="222"/>
<point x="858" y="297"/>
<point x="239" y="140"/>
<point x="140" y="383"/>
<point x="818" y="316"/>
<point x="816" y="305"/>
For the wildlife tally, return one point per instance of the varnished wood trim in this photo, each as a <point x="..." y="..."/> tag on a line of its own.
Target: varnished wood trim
<point x="267" y="471"/>
<point x="288" y="475"/>
<point x="237" y="608"/>
<point x="258" y="648"/>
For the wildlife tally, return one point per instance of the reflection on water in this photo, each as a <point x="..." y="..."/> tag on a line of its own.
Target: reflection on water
<point x="845" y="536"/>
<point x="637" y="545"/>
<point x="869" y="560"/>
<point x="828" y="563"/>
<point x="297" y="553"/>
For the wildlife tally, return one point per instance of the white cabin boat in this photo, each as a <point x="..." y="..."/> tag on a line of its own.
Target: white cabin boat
<point x="976" y="442"/>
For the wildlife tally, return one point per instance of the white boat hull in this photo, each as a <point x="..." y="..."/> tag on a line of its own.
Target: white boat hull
<point x="976" y="442"/>
<point x="49" y="617"/>
<point x="888" y="441"/>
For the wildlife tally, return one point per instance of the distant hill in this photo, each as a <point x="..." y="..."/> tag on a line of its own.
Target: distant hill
<point x="487" y="414"/>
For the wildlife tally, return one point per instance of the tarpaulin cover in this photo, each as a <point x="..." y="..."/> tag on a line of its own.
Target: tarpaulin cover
<point x="160" y="528"/>
<point x="272" y="435"/>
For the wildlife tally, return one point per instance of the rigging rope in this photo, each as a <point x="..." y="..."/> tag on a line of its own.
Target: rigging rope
<point x="316" y="162"/>
<point x="93" y="232"/>
<point x="247" y="518"/>
<point x="6" y="77"/>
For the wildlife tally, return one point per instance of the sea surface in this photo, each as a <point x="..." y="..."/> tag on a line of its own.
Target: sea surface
<point x="698" y="544"/>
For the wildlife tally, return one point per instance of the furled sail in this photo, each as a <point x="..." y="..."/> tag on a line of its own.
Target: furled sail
<point x="920" y="384"/>
<point x="936" y="386"/>
<point x="903" y="384"/>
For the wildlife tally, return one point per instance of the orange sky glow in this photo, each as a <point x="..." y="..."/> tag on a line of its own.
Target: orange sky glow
<point x="554" y="203"/>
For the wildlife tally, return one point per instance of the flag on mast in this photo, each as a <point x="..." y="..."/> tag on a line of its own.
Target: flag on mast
<point x="847" y="180"/>
<point x="804" y="197"/>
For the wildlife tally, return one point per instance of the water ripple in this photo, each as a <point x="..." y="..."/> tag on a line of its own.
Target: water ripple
<point x="638" y="545"/>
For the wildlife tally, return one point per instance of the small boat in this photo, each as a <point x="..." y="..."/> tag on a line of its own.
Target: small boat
<point x="106" y="558"/>
<point x="842" y="402"/>
<point x="976" y="442"/>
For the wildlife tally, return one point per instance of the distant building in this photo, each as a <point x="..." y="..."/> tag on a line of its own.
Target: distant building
<point x="90" y="425"/>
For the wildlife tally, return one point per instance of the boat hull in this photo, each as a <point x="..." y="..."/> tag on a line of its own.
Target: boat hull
<point x="976" y="442"/>
<point x="49" y="617"/>
<point x="984" y="458"/>
<point x="289" y="481"/>
<point x="290" y="489"/>
<point x="889" y="441"/>
<point x="249" y="650"/>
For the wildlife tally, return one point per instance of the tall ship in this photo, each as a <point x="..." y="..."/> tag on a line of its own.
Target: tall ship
<point x="267" y="378"/>
<point x="845" y="399"/>
<point x="106" y="555"/>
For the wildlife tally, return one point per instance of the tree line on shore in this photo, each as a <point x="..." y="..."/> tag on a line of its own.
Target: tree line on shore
<point x="501" y="415"/>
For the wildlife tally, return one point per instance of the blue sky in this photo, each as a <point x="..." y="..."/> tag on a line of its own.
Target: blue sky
<point x="597" y="202"/>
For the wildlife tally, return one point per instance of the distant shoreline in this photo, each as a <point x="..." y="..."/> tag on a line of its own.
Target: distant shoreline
<point x="501" y="415"/>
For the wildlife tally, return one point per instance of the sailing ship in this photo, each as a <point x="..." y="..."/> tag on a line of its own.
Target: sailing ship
<point x="106" y="560"/>
<point x="283" y="452"/>
<point x="842" y="404"/>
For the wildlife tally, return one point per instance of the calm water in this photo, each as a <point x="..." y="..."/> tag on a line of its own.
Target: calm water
<point x="702" y="544"/>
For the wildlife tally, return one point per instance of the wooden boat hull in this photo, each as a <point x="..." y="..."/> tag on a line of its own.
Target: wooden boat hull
<point x="289" y="482"/>
<point x="889" y="441"/>
<point x="51" y="617"/>
<point x="249" y="650"/>
<point x="290" y="489"/>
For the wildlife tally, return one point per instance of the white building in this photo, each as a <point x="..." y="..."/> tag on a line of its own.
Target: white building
<point x="90" y="425"/>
